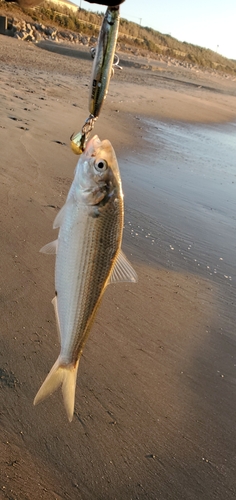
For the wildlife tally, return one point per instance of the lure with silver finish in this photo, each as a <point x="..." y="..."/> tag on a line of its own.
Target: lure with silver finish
<point x="89" y="257"/>
<point x="103" y="61"/>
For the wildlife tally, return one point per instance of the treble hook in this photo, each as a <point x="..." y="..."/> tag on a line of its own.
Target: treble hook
<point x="116" y="62"/>
<point x="116" y="59"/>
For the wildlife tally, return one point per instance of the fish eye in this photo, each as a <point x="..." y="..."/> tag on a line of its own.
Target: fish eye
<point x="101" y="165"/>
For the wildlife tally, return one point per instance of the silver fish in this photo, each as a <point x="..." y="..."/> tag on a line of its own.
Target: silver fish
<point x="88" y="258"/>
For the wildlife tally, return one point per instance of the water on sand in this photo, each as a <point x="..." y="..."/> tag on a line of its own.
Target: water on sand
<point x="189" y="176"/>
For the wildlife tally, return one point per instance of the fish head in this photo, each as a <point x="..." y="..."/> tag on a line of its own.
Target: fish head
<point x="97" y="173"/>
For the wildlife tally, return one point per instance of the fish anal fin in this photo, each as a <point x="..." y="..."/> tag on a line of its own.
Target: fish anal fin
<point x="54" y="303"/>
<point x="50" y="248"/>
<point x="123" y="270"/>
<point x="60" y="375"/>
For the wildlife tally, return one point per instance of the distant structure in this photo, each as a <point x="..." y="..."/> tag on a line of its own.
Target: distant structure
<point x="65" y="3"/>
<point x="3" y="24"/>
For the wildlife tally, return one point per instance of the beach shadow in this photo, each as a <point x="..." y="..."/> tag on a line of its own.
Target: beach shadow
<point x="64" y="50"/>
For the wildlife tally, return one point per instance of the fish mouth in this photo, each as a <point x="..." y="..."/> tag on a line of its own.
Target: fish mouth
<point x="92" y="146"/>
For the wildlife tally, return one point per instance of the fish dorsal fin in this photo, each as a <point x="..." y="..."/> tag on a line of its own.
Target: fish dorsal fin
<point x="123" y="271"/>
<point x="50" y="248"/>
<point x="54" y="303"/>
<point x="59" y="217"/>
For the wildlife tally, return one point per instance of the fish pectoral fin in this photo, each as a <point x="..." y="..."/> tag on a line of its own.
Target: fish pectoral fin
<point x="59" y="217"/>
<point x="54" y="303"/>
<point x="50" y="248"/>
<point x="64" y="375"/>
<point x="61" y="214"/>
<point x="123" y="270"/>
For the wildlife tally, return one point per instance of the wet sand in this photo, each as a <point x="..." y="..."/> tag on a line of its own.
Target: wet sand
<point x="156" y="395"/>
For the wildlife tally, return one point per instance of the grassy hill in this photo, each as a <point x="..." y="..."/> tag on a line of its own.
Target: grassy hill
<point x="144" y="39"/>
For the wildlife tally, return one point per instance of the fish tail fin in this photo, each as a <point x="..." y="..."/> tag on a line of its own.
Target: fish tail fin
<point x="60" y="375"/>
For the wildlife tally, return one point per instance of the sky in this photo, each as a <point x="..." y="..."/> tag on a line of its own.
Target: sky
<point x="208" y="23"/>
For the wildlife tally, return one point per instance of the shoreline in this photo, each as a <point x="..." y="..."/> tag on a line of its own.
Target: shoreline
<point x="62" y="84"/>
<point x="204" y="98"/>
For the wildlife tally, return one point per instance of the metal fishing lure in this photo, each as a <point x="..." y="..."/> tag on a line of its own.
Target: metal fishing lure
<point x="104" y="61"/>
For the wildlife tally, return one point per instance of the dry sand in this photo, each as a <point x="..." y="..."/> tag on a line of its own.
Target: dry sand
<point x="135" y="432"/>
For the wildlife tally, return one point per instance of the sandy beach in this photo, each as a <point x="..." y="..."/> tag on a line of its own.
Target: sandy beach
<point x="156" y="395"/>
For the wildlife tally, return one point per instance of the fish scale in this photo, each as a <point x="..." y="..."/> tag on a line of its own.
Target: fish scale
<point x="93" y="255"/>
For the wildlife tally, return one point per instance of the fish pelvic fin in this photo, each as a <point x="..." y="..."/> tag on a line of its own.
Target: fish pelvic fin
<point x="60" y="375"/>
<point x="123" y="270"/>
